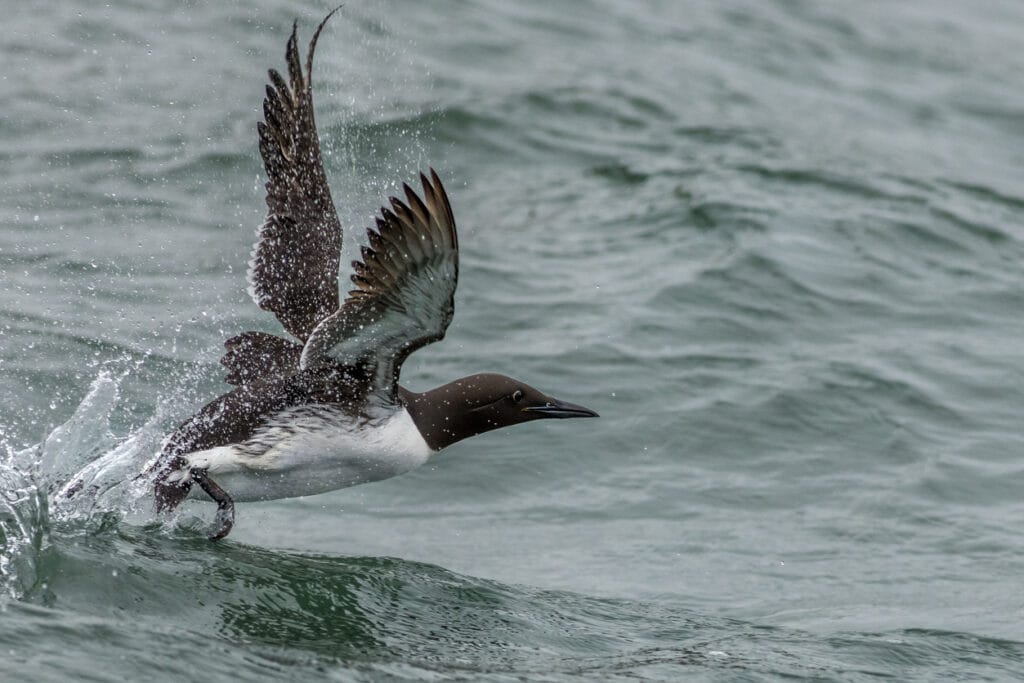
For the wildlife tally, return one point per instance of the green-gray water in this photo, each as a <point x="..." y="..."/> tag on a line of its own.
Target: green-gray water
<point x="778" y="245"/>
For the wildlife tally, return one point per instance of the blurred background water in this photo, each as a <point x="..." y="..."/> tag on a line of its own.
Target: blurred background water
<point x="778" y="245"/>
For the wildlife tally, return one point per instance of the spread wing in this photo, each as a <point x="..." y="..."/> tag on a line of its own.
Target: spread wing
<point x="405" y="290"/>
<point x="251" y="356"/>
<point x="294" y="268"/>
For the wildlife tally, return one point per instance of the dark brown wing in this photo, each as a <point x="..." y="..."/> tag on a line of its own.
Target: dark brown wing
<point x="293" y="272"/>
<point x="405" y="290"/>
<point x="250" y="356"/>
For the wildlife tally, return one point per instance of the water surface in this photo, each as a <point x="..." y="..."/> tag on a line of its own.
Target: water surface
<point x="777" y="245"/>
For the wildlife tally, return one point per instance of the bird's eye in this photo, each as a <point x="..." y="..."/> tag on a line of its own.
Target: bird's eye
<point x="517" y="395"/>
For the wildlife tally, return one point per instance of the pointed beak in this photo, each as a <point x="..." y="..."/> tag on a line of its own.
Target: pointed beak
<point x="560" y="409"/>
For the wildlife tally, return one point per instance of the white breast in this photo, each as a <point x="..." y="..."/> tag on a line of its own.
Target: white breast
<point x="312" y="449"/>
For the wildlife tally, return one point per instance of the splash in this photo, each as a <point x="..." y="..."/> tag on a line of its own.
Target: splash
<point x="82" y="478"/>
<point x="23" y="513"/>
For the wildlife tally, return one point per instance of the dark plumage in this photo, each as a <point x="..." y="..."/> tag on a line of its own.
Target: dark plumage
<point x="294" y="268"/>
<point x="328" y="411"/>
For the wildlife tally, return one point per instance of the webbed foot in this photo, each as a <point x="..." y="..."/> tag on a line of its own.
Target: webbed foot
<point x="225" y="517"/>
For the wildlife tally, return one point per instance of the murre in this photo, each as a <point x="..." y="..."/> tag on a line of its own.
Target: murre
<point x="327" y="411"/>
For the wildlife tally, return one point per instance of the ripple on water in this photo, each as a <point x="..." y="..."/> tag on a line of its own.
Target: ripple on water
<point x="316" y="613"/>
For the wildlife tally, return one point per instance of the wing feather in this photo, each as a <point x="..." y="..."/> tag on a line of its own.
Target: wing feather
<point x="293" y="272"/>
<point x="404" y="290"/>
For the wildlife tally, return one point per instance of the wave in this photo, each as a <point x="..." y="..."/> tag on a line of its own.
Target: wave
<point x="82" y="478"/>
<point x="179" y="603"/>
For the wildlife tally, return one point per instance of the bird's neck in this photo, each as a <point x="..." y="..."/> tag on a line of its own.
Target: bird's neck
<point x="439" y="417"/>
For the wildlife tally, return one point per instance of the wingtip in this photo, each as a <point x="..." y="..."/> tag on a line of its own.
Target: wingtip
<point x="436" y="178"/>
<point x="436" y="188"/>
<point x="329" y="15"/>
<point x="316" y="37"/>
<point x="291" y="57"/>
<point x="409" y="193"/>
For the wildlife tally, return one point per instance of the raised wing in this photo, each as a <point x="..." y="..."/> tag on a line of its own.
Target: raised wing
<point x="293" y="272"/>
<point x="405" y="290"/>
<point x="251" y="356"/>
